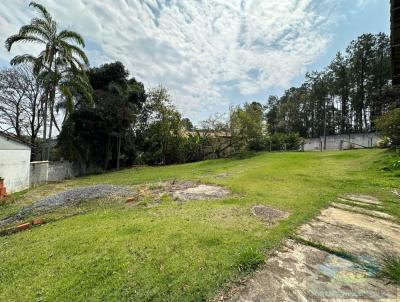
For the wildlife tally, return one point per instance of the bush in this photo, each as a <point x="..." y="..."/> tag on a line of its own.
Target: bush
<point x="389" y="125"/>
<point x="384" y="143"/>
<point x="284" y="141"/>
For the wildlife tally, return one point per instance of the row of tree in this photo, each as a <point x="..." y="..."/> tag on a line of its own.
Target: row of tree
<point x="345" y="97"/>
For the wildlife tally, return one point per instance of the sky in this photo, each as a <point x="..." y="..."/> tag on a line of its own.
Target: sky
<point x="209" y="54"/>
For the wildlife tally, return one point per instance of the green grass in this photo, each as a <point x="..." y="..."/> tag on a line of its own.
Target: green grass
<point x="115" y="252"/>
<point x="391" y="268"/>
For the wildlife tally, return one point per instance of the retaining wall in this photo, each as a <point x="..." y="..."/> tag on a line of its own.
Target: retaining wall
<point x="39" y="173"/>
<point x="342" y="142"/>
<point x="58" y="171"/>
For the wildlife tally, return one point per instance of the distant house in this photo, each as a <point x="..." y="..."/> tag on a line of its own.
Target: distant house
<point x="14" y="163"/>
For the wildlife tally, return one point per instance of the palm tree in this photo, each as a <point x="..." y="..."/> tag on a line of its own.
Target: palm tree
<point x="61" y="65"/>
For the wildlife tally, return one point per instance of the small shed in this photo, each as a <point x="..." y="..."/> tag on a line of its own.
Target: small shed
<point x="15" y="157"/>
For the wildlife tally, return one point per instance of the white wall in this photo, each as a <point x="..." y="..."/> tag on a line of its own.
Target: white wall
<point x="14" y="164"/>
<point x="39" y="173"/>
<point x="333" y="142"/>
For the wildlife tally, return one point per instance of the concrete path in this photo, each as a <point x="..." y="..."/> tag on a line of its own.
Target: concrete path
<point x="308" y="270"/>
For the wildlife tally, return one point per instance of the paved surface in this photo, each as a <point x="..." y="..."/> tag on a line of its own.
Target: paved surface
<point x="301" y="272"/>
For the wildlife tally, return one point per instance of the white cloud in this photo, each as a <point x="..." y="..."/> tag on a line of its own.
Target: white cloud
<point x="198" y="49"/>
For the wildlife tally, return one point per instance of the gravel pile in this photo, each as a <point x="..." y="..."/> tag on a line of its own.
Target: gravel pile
<point x="68" y="198"/>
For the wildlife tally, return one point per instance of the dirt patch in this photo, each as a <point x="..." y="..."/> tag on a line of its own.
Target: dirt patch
<point x="200" y="192"/>
<point x="180" y="191"/>
<point x="268" y="214"/>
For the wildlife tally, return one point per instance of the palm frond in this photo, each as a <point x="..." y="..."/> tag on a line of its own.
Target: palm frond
<point x="23" y="59"/>
<point x="29" y="30"/>
<point x="67" y="35"/>
<point x="20" y="38"/>
<point x="42" y="10"/>
<point x="43" y="24"/>
<point x="69" y="103"/>
<point x="68" y="50"/>
<point x="82" y="66"/>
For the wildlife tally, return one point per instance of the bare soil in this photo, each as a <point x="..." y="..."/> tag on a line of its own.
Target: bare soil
<point x="268" y="215"/>
<point x="180" y="191"/>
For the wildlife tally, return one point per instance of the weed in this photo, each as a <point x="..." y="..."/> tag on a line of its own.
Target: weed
<point x="249" y="260"/>
<point x="391" y="268"/>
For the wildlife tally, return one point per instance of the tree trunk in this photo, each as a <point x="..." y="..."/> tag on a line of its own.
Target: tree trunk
<point x="44" y="153"/>
<point x="50" y="125"/>
<point x="108" y="152"/>
<point x="324" y="124"/>
<point x="118" y="150"/>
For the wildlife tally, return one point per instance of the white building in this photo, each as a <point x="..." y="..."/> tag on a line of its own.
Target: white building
<point x="14" y="163"/>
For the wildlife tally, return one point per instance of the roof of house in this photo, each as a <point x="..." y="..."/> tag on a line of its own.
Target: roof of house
<point x="12" y="137"/>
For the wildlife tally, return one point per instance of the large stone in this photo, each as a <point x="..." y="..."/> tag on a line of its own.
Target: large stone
<point x="303" y="273"/>
<point x="363" y="211"/>
<point x="359" y="203"/>
<point x="361" y="198"/>
<point x="364" y="236"/>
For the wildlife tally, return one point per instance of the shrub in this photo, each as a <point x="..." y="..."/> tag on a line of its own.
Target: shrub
<point x="389" y="125"/>
<point x="384" y="143"/>
<point x="284" y="141"/>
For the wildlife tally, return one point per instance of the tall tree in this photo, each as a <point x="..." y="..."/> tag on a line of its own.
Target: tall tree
<point x="60" y="63"/>
<point x="21" y="102"/>
<point x="96" y="133"/>
<point x="341" y="88"/>
<point x="345" y="97"/>
<point x="127" y="97"/>
<point x="164" y="128"/>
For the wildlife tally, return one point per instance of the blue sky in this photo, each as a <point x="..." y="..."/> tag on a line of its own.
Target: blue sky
<point x="210" y="54"/>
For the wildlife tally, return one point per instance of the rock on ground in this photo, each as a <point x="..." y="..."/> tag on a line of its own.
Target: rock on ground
<point x="356" y="209"/>
<point x="302" y="272"/>
<point x="361" y="198"/>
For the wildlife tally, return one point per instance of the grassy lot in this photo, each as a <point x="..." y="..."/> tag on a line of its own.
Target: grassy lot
<point x="115" y="252"/>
